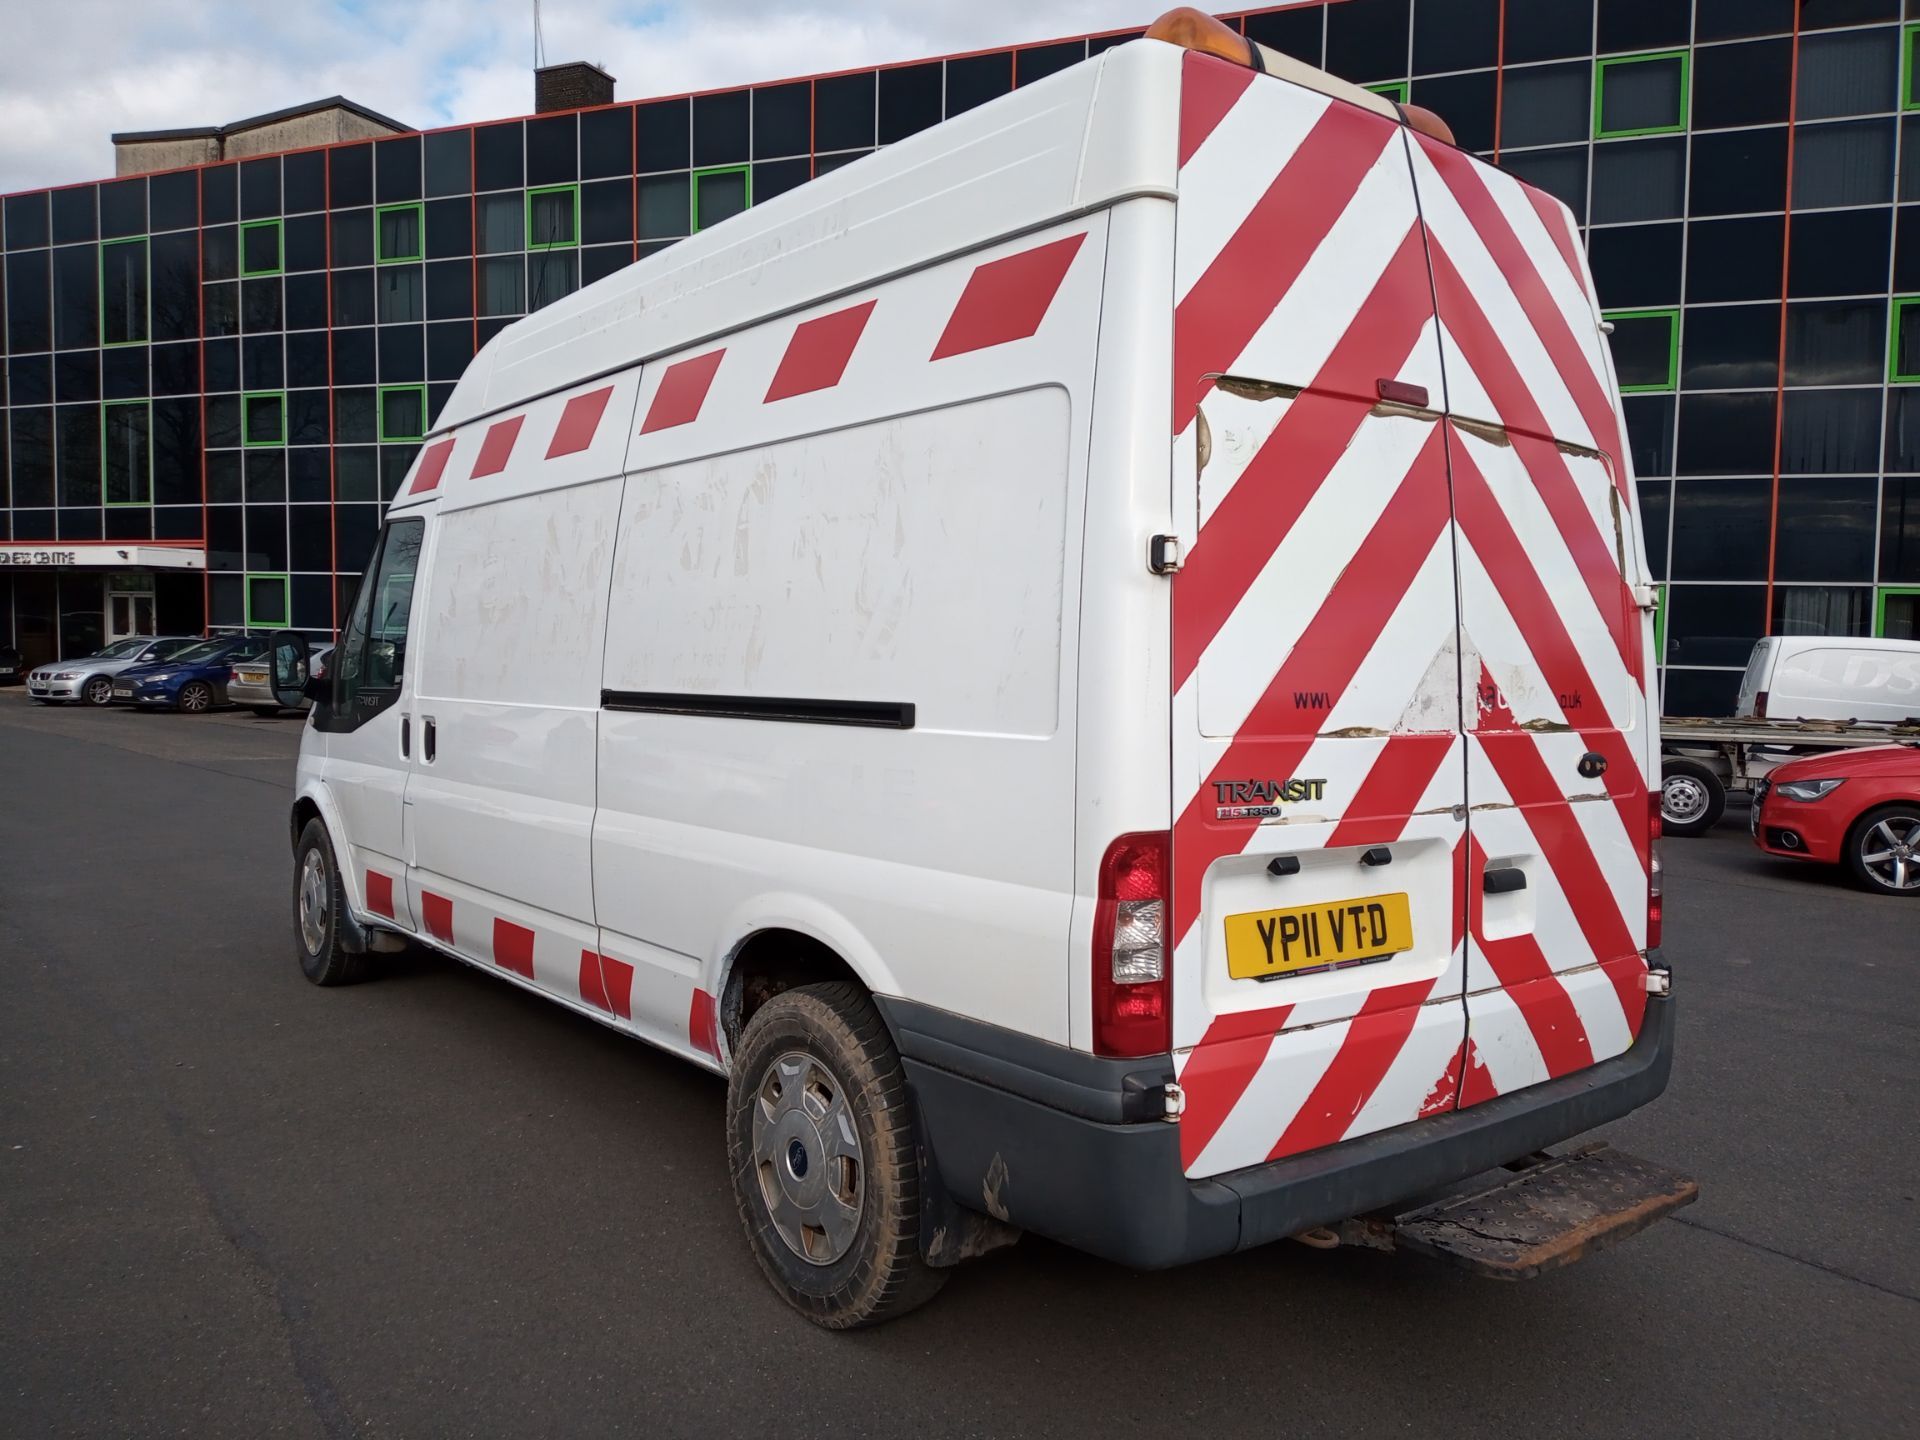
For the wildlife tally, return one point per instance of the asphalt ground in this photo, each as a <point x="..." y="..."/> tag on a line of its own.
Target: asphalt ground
<point x="231" y="1204"/>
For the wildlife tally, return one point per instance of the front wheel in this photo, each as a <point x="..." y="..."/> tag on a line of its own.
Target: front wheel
<point x="98" y="691"/>
<point x="319" y="902"/>
<point x="1692" y="799"/>
<point x="196" y="697"/>
<point x="1883" y="850"/>
<point x="822" y="1146"/>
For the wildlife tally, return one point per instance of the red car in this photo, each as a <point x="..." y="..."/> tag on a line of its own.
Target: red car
<point x="1860" y="808"/>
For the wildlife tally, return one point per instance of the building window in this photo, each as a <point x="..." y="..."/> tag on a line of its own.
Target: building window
<point x="1394" y="90"/>
<point x="398" y="231"/>
<point x="266" y="602"/>
<point x="263" y="418"/>
<point x="666" y="207"/>
<point x="1903" y="345"/>
<point x="551" y="275"/>
<point x="1646" y="349"/>
<point x="126" y="452"/>
<point x="503" y="283"/>
<point x="124" y="308"/>
<point x="401" y="290"/>
<point x="1641" y="94"/>
<point x="1896" y="612"/>
<point x="720" y="193"/>
<point x="502" y="223"/>
<point x="403" y="412"/>
<point x="260" y="248"/>
<point x="553" y="217"/>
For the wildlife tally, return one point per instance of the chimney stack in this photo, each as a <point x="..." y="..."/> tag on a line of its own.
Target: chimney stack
<point x="572" y="86"/>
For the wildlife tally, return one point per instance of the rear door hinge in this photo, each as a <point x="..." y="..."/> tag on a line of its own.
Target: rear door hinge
<point x="1163" y="554"/>
<point x="1176" y="1099"/>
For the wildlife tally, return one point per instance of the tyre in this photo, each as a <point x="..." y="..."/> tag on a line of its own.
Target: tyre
<point x="821" y="1142"/>
<point x="1692" y="798"/>
<point x="266" y="712"/>
<point x="1883" y="850"/>
<point x="196" y="697"/>
<point x="98" y="690"/>
<point x="318" y="903"/>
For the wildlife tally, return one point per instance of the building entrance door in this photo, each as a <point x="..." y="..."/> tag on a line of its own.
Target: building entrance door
<point x="129" y="613"/>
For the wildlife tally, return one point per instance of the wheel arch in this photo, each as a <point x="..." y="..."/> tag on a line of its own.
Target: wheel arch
<point x="783" y="941"/>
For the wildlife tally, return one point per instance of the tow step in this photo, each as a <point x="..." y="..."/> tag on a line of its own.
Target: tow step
<point x="1550" y="1211"/>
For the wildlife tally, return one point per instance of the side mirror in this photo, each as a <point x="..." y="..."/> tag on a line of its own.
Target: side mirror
<point x="318" y="689"/>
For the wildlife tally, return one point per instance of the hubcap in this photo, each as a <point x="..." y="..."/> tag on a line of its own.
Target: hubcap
<point x="313" y="901"/>
<point x="1682" y="799"/>
<point x="806" y="1152"/>
<point x="99" y="691"/>
<point x="1891" y="852"/>
<point x="193" y="698"/>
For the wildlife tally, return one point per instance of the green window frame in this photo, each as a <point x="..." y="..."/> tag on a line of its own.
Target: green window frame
<point x="1612" y="62"/>
<point x="1908" y="39"/>
<point x="534" y="196"/>
<point x="254" y="227"/>
<point x="139" y="473"/>
<point x="253" y="402"/>
<point x="388" y="392"/>
<point x="745" y="172"/>
<point x="1394" y="90"/>
<point x="1880" y="597"/>
<point x="257" y="621"/>
<point x="419" y="212"/>
<point x="1895" y="375"/>
<point x="139" y="315"/>
<point x="1660" y="625"/>
<point x="1672" y="316"/>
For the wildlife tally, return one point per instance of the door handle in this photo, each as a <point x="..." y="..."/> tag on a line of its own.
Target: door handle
<point x="1504" y="880"/>
<point x="406" y="736"/>
<point x="427" y="736"/>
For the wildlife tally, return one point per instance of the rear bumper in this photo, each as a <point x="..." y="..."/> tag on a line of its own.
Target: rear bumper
<point x="1059" y="1143"/>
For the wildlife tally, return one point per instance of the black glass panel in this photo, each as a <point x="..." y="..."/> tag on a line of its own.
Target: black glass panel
<point x="1639" y="179"/>
<point x="304" y="239"/>
<point x="1829" y="431"/>
<point x="1656" y="517"/>
<point x="449" y="162"/>
<point x="1837" y="342"/>
<point x="303" y="182"/>
<point x="176" y="452"/>
<point x="599" y="261"/>
<point x="1549" y="31"/>
<point x="1466" y="102"/>
<point x="1643" y="350"/>
<point x="1900" y="532"/>
<point x="260" y="307"/>
<point x="1036" y="62"/>
<point x="176" y="369"/>
<point x="1719" y="533"/>
<point x="219" y="252"/>
<point x="306" y="302"/>
<point x="1546" y="105"/>
<point x="1822" y="609"/>
<point x="1642" y="24"/>
<point x="1367" y="39"/>
<point x="76" y="296"/>
<point x="449" y="228"/>
<point x="306" y="417"/>
<point x="497" y="157"/>
<point x="1637" y="265"/>
<point x="223" y="476"/>
<point x="30" y="380"/>
<point x="356" y="472"/>
<point x="26" y="220"/>
<point x="1743" y="84"/>
<point x="396" y="169"/>
<point x="1735" y="259"/>
<point x="1826" y="528"/>
<point x="77" y="451"/>
<point x="665" y="206"/>
<point x="843" y="111"/>
<point x="76" y="375"/>
<point x="73" y="214"/>
<point x="1300" y="32"/>
<point x="606" y="210"/>
<point x="353" y="357"/>
<point x="310" y="478"/>
<point x="1819" y="14"/>
<point x="1726" y="347"/>
<point x="32" y="456"/>
<point x="1735" y="19"/>
<point x="354" y="417"/>
<point x="403" y="354"/>
<point x="350" y="176"/>
<point x="219" y="195"/>
<point x="353" y="297"/>
<point x="29" y="301"/>
<point x="721" y="128"/>
<point x="1726" y="434"/>
<point x="606" y="142"/>
<point x="976" y="79"/>
<point x="123" y="208"/>
<point x="260" y="188"/>
<point x="221" y="360"/>
<point x="174" y="284"/>
<point x="781" y="120"/>
<point x="1839" y="252"/>
<point x="553" y="143"/>
<point x="174" y="200"/>
<point x="1456" y="35"/>
<point x="1700" y="692"/>
<point x="1850" y="163"/>
<point x="909" y="100"/>
<point x="123" y="373"/>
<point x="664" y="139"/>
<point x="824" y="164"/>
<point x="1852" y="72"/>
<point x="263" y="362"/>
<point x="307" y="358"/>
<point x="449" y="348"/>
<point x="1739" y="171"/>
<point x="449" y="290"/>
<point x="1561" y="173"/>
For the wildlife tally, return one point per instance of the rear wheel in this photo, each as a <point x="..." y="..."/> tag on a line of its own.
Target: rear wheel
<point x="1692" y="798"/>
<point x="266" y="712"/>
<point x="196" y="697"/>
<point x="821" y="1143"/>
<point x="319" y="902"/>
<point x="1883" y="849"/>
<point x="98" y="690"/>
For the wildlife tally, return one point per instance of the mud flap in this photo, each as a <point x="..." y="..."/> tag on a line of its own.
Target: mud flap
<point x="1551" y="1211"/>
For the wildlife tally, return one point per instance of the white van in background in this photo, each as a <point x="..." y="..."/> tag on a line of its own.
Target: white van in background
<point x="1832" y="677"/>
<point x="1094" y="663"/>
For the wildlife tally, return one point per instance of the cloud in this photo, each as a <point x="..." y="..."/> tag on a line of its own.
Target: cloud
<point x="74" y="72"/>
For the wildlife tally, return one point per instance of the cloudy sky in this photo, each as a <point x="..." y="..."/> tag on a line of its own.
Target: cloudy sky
<point x="74" y="71"/>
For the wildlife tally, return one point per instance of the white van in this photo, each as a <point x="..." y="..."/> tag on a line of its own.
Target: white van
<point x="1094" y="663"/>
<point x="1832" y="677"/>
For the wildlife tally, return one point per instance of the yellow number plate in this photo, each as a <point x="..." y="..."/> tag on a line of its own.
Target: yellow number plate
<point x="1326" y="936"/>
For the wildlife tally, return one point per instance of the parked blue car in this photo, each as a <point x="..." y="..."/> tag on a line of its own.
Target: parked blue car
<point x="195" y="680"/>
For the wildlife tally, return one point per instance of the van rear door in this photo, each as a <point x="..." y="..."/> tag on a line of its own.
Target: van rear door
<point x="1554" y="647"/>
<point x="1319" y="802"/>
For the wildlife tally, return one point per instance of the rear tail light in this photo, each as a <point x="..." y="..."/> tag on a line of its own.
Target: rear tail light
<point x="1654" y="876"/>
<point x="1760" y="705"/>
<point x="1132" y="940"/>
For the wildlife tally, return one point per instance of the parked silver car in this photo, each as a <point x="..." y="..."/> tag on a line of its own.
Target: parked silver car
<point x="252" y="682"/>
<point x="90" y="678"/>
